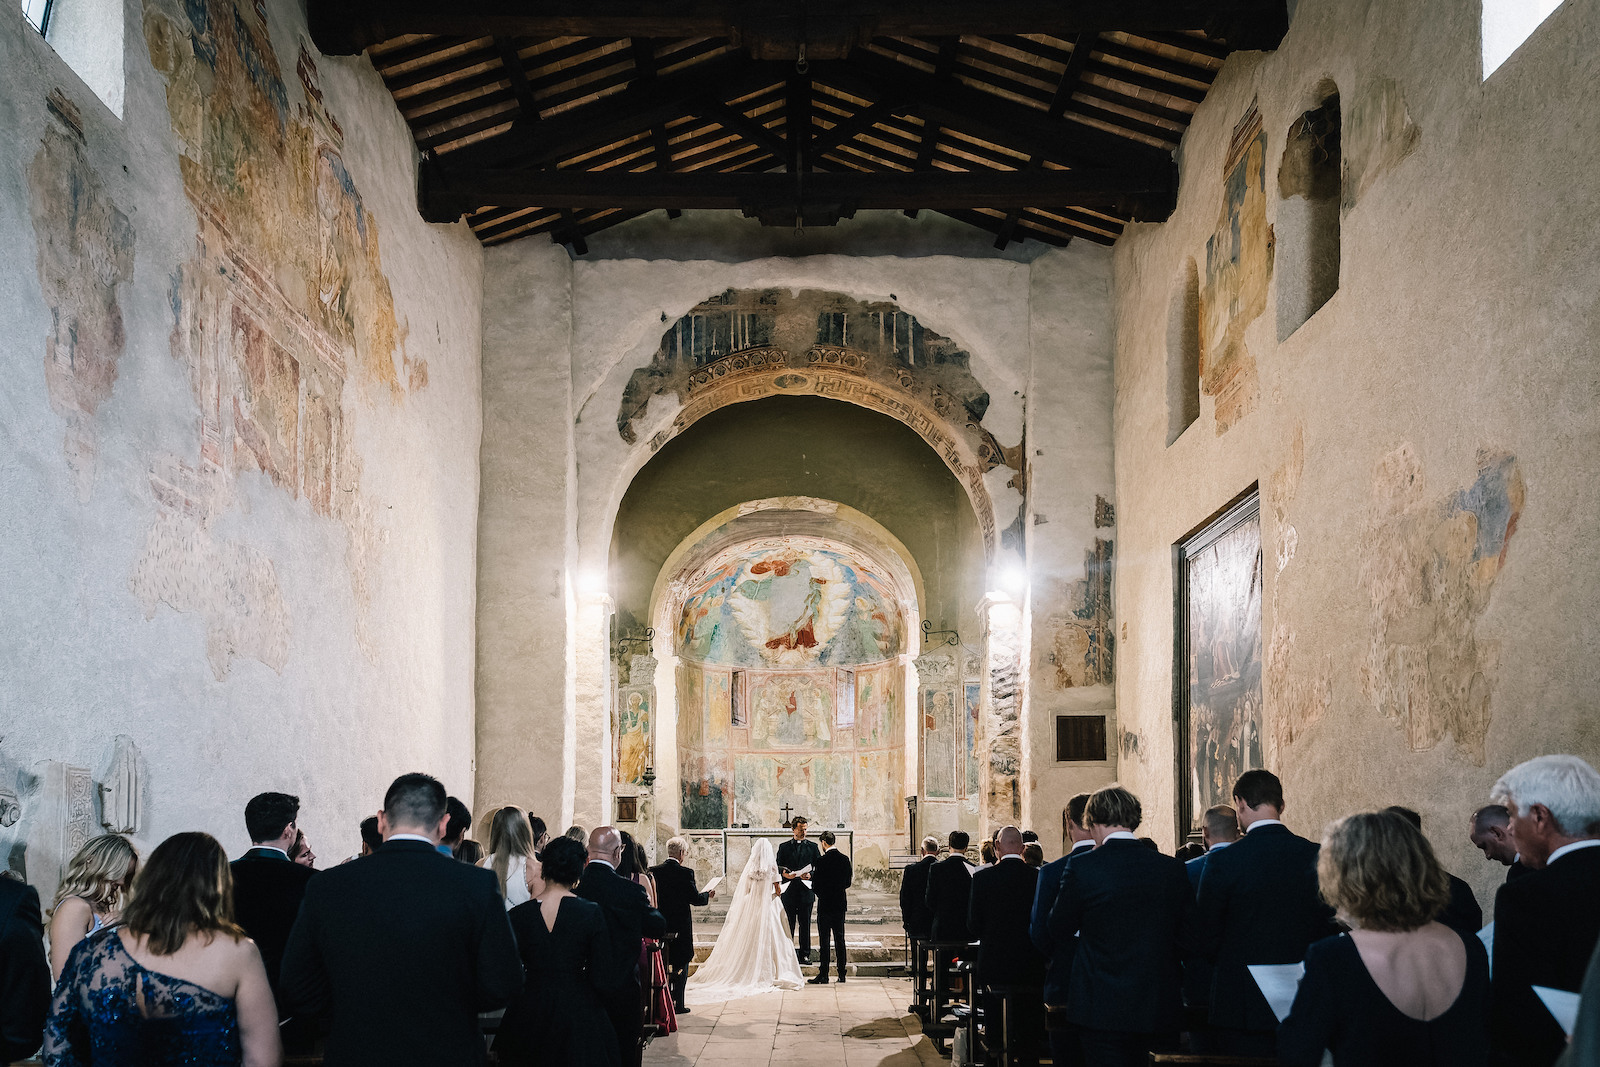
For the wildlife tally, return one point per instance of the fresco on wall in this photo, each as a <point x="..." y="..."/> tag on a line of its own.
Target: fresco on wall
<point x="1222" y="586"/>
<point x="632" y="751"/>
<point x="1429" y="571"/>
<point x="818" y="787"/>
<point x="705" y="792"/>
<point x="939" y="746"/>
<point x="791" y="711"/>
<point x="790" y="606"/>
<point x="972" y="759"/>
<point x="879" y="810"/>
<point x="878" y="706"/>
<point x="719" y="705"/>
<point x="1083" y="641"/>
<point x="1238" y="270"/>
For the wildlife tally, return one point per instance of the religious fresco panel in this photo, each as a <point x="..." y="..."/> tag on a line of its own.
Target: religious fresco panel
<point x="631" y="753"/>
<point x="972" y="759"/>
<point x="939" y="746"/>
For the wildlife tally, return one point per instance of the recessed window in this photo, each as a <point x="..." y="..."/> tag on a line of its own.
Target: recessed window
<point x="1306" y="266"/>
<point x="1183" y="353"/>
<point x="87" y="34"/>
<point x="1080" y="738"/>
<point x="1506" y="24"/>
<point x="37" y="12"/>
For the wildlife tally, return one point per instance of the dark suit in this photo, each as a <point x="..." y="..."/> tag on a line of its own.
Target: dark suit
<point x="1058" y="955"/>
<point x="1196" y="968"/>
<point x="797" y="898"/>
<point x="1132" y="911"/>
<point x="629" y="920"/>
<point x="915" y="918"/>
<point x="676" y="893"/>
<point x="829" y="882"/>
<point x="997" y="918"/>
<point x="403" y="949"/>
<point x="267" y="890"/>
<point x="1516" y="870"/>
<point x="1258" y="903"/>
<point x="1546" y="925"/>
<point x="24" y="971"/>
<point x="948" y="896"/>
<point x="1463" y="912"/>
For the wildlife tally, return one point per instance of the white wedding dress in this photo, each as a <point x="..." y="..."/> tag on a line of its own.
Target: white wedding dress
<point x="753" y="954"/>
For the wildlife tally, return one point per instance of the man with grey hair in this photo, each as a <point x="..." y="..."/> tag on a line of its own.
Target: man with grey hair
<point x="1546" y="923"/>
<point x="676" y="893"/>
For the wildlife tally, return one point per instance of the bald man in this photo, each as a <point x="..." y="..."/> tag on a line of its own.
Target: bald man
<point x="629" y="919"/>
<point x="997" y="918"/>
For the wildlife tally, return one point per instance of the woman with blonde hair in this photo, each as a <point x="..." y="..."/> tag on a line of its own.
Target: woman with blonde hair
<point x="90" y="894"/>
<point x="176" y="981"/>
<point x="510" y="850"/>
<point x="1401" y="987"/>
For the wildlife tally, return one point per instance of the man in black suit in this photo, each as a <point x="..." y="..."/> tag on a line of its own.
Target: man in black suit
<point x="402" y="949"/>
<point x="1463" y="913"/>
<point x="1077" y="840"/>
<point x="829" y="880"/>
<point x="915" y="918"/>
<point x="1546" y="923"/>
<point x="1131" y="909"/>
<point x="267" y="885"/>
<point x="676" y="893"/>
<point x="629" y="920"/>
<point x="950" y="891"/>
<point x="1490" y="833"/>
<point x="997" y="918"/>
<point x="24" y="971"/>
<point x="1219" y="828"/>
<point x="1258" y="903"/>
<point x="794" y="856"/>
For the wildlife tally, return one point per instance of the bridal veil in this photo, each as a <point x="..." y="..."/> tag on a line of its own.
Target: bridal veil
<point x="753" y="954"/>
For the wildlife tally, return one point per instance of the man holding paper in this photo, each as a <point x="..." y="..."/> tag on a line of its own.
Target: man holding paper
<point x="795" y="860"/>
<point x="676" y="893"/>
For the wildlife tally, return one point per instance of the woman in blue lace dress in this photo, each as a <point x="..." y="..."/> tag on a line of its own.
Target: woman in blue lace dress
<point x="176" y="982"/>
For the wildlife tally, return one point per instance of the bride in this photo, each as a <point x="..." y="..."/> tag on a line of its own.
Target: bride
<point x="753" y="954"/>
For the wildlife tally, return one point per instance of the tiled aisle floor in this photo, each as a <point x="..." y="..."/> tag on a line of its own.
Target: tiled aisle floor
<point x="863" y="1023"/>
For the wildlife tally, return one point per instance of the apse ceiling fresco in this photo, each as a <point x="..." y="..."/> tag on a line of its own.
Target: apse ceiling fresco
<point x="790" y="602"/>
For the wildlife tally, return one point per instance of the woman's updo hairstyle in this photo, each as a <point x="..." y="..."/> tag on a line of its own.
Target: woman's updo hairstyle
<point x="562" y="861"/>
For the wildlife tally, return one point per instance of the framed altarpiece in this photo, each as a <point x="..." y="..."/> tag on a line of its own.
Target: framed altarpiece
<point x="1217" y="661"/>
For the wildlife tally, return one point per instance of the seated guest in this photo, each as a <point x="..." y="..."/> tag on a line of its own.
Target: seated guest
<point x="1546" y="923"/>
<point x="1131" y="910"/>
<point x="401" y="951"/>
<point x="90" y="895"/>
<point x="176" y="982"/>
<point x="629" y="919"/>
<point x="915" y="918"/>
<point x="371" y="839"/>
<point x="456" y="830"/>
<point x="1258" y="903"/>
<point x="1077" y="840"/>
<point x="1033" y="856"/>
<point x="1401" y="989"/>
<point x="24" y="971"/>
<point x="267" y="885"/>
<point x="510" y="847"/>
<point x="950" y="891"/>
<point x="1463" y="912"/>
<point x="300" y="852"/>
<point x="558" y="1017"/>
<point x="997" y="918"/>
<point x="1490" y="833"/>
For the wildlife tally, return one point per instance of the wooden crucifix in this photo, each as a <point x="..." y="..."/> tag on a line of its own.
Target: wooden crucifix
<point x="787" y="821"/>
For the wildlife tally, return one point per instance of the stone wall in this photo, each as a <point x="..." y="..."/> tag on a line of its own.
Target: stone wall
<point x="1425" y="443"/>
<point x="239" y="479"/>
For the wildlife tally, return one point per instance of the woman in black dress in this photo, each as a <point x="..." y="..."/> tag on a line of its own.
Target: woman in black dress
<point x="1400" y="988"/>
<point x="562" y="939"/>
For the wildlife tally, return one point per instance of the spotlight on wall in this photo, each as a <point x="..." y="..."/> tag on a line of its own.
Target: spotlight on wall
<point x="1014" y="579"/>
<point x="592" y="583"/>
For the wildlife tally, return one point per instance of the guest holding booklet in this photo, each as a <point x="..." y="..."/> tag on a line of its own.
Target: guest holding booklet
<point x="1400" y="988"/>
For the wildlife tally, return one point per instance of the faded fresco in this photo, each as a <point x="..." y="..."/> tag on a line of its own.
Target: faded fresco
<point x="791" y="711"/>
<point x="1430" y="568"/>
<point x="1378" y="133"/>
<point x="939" y="745"/>
<point x="971" y="755"/>
<point x="705" y="793"/>
<point x="819" y="787"/>
<point x="1298" y="689"/>
<point x="632" y="751"/>
<point x="878" y="720"/>
<point x="1083" y="637"/>
<point x="790" y="606"/>
<point x="1238" y="270"/>
<point x="1224" y="681"/>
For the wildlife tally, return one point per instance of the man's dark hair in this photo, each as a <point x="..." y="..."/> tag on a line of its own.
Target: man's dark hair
<point x="563" y="861"/>
<point x="1074" y="809"/>
<point x="538" y="827"/>
<point x="460" y="819"/>
<point x="826" y="837"/>
<point x="369" y="833"/>
<point x="1490" y="815"/>
<point x="798" y="819"/>
<point x="1407" y="814"/>
<point x="1029" y="835"/>
<point x="627" y="866"/>
<point x="959" y="840"/>
<point x="269" y="814"/>
<point x="415" y="800"/>
<point x="1259" y="787"/>
<point x="1222" y="821"/>
<point x="1190" y="850"/>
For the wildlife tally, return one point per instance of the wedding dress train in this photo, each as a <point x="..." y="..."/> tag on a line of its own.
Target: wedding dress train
<point x="753" y="954"/>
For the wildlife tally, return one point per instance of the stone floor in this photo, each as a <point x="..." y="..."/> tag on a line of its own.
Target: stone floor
<point x="860" y="1023"/>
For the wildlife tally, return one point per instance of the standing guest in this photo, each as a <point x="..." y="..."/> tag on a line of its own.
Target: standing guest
<point x="1219" y="828"/>
<point x="469" y="852"/>
<point x="558" y="1017"/>
<point x="401" y="951"/>
<point x="1076" y="840"/>
<point x="1583" y="1049"/>
<point x="950" y="891"/>
<point x="794" y="856"/>
<point x="997" y="918"/>
<point x="460" y="821"/>
<point x="1401" y="989"/>
<point x="915" y="918"/>
<point x="986" y="856"/>
<point x="677" y="893"/>
<point x="829" y="881"/>
<point x="1189" y="850"/>
<point x="1030" y="837"/>
<point x="635" y="867"/>
<point x="1463" y="912"/>
<point x="1547" y="922"/>
<point x="1258" y="903"/>
<point x="510" y="847"/>
<point x="177" y="981"/>
<point x="90" y="895"/>
<point x="538" y="833"/>
<point x="267" y="884"/>
<point x="1033" y="856"/>
<point x="24" y="971"/>
<point x="371" y="839"/>
<point x="541" y="837"/>
<point x="578" y="834"/>
<point x="629" y="920"/>
<point x="1490" y="833"/>
<point x="300" y="852"/>
<point x="1131" y="910"/>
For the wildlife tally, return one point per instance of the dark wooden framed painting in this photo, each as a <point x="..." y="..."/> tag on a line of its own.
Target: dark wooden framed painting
<point x="1217" y="661"/>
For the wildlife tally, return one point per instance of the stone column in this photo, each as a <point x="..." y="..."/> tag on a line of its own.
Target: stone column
<point x="1001" y="619"/>
<point x="590" y="736"/>
<point x="938" y="786"/>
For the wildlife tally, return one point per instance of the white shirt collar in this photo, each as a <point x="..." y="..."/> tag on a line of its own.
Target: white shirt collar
<point x="1263" y="822"/>
<point x="269" y="848"/>
<point x="1218" y="844"/>
<point x="413" y="837"/>
<point x="1119" y="835"/>
<point x="1010" y="856"/>
<point x="604" y="863"/>
<point x="1079" y="846"/>
<point x="1575" y="846"/>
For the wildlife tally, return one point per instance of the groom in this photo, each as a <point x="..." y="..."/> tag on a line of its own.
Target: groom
<point x="829" y="881"/>
<point x="793" y="856"/>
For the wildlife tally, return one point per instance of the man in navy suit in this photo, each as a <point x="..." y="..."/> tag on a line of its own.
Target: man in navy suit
<point x="1058" y="955"/>
<point x="1258" y="903"/>
<point x="267" y="885"/>
<point x="998" y="920"/>
<point x="1219" y="828"/>
<point x="24" y="971"/>
<point x="830" y="877"/>
<point x="1490" y="833"/>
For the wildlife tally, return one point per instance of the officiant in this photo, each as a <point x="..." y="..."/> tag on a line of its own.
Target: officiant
<point x="795" y="858"/>
<point x="676" y="893"/>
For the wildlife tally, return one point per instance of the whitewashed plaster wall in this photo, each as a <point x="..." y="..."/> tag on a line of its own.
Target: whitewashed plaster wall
<point x="1465" y="320"/>
<point x="302" y="635"/>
